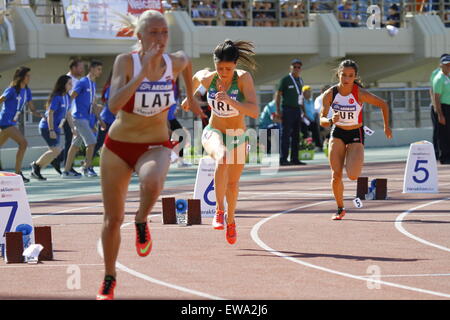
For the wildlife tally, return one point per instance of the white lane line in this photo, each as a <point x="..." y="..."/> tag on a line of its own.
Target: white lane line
<point x="429" y="215"/>
<point x="401" y="217"/>
<point x="53" y="265"/>
<point x="409" y="275"/>
<point x="153" y="280"/>
<point x="68" y="210"/>
<point x="259" y="242"/>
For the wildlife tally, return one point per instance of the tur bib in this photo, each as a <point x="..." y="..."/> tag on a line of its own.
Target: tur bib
<point x="349" y="109"/>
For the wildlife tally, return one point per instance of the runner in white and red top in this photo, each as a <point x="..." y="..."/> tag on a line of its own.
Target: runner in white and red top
<point x="139" y="140"/>
<point x="346" y="146"/>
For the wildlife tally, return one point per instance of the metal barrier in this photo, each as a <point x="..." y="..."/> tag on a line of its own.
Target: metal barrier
<point x="271" y="13"/>
<point x="409" y="108"/>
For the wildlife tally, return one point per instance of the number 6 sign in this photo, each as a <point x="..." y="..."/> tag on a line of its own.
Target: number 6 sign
<point x="421" y="171"/>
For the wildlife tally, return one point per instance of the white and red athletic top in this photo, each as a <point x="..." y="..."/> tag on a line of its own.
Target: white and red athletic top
<point x="350" y="109"/>
<point x="152" y="97"/>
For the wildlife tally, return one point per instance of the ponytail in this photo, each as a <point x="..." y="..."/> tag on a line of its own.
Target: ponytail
<point x="241" y="52"/>
<point x="137" y="25"/>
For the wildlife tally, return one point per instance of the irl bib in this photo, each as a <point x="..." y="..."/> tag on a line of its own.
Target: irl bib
<point x="219" y="108"/>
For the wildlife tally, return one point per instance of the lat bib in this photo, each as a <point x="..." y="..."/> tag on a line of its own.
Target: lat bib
<point x="153" y="97"/>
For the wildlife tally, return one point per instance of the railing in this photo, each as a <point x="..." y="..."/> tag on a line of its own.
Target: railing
<point x="409" y="108"/>
<point x="297" y="13"/>
<point x="271" y="13"/>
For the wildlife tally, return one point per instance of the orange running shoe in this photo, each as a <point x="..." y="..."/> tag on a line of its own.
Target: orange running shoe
<point x="106" y="292"/>
<point x="143" y="239"/>
<point x="218" y="220"/>
<point x="231" y="233"/>
<point x="339" y="215"/>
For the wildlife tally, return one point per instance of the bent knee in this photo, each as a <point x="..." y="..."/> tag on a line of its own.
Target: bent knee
<point x="353" y="177"/>
<point x="23" y="144"/>
<point x="336" y="176"/>
<point x="151" y="187"/>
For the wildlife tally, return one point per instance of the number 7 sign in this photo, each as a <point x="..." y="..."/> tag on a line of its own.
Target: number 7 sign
<point x="12" y="214"/>
<point x="14" y="206"/>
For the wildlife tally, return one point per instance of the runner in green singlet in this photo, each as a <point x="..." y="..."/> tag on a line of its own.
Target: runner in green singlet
<point x="231" y="95"/>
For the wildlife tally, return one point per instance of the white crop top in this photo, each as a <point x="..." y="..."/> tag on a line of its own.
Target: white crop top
<point x="349" y="108"/>
<point x="152" y="97"/>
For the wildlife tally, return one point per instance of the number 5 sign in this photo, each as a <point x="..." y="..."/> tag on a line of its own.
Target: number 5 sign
<point x="421" y="171"/>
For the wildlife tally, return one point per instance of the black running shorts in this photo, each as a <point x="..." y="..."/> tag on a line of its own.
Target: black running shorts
<point x="348" y="136"/>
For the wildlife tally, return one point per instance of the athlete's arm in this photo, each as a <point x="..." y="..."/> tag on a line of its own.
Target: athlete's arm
<point x="197" y="83"/>
<point x="372" y="99"/>
<point x="200" y="79"/>
<point x="122" y="85"/>
<point x="249" y="107"/>
<point x="122" y="90"/>
<point x="2" y="99"/>
<point x="183" y="64"/>
<point x="324" y="110"/>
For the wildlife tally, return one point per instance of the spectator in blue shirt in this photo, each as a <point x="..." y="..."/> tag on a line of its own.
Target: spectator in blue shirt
<point x="393" y="18"/>
<point x="346" y="14"/>
<point x="84" y="95"/>
<point x="268" y="121"/>
<point x="76" y="72"/>
<point x="57" y="113"/>
<point x="106" y="116"/>
<point x="14" y="100"/>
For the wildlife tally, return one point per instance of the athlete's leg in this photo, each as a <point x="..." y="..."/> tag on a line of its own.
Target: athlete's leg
<point x="234" y="174"/>
<point x="336" y="154"/>
<point x="18" y="137"/>
<point x="220" y="185"/>
<point x="213" y="143"/>
<point x="354" y="160"/>
<point x="152" y="168"/>
<point x="115" y="177"/>
<point x="232" y="190"/>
